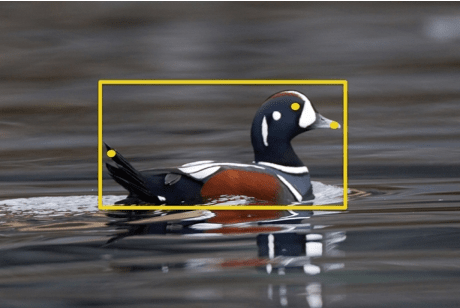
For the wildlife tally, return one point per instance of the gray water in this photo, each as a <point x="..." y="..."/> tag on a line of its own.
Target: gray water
<point x="397" y="244"/>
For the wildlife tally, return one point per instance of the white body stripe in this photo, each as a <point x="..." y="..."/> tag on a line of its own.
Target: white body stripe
<point x="308" y="115"/>
<point x="293" y="170"/>
<point x="204" y="173"/>
<point x="161" y="198"/>
<point x="294" y="191"/>
<point x="265" y="131"/>
<point x="206" y="226"/>
<point x="198" y="163"/>
<point x="193" y="169"/>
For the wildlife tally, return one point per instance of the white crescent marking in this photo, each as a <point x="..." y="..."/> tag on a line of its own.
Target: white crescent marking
<point x="265" y="131"/>
<point x="308" y="115"/>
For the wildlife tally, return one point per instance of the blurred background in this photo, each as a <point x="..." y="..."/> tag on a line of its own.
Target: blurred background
<point x="401" y="61"/>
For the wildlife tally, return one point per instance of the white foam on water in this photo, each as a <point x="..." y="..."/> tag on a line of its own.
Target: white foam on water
<point x="74" y="205"/>
<point x="326" y="194"/>
<point x="53" y="206"/>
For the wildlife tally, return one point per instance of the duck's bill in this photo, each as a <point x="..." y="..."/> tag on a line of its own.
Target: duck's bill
<point x="322" y="122"/>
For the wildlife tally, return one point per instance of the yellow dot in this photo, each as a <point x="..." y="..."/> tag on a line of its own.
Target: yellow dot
<point x="111" y="153"/>
<point x="295" y="106"/>
<point x="334" y="125"/>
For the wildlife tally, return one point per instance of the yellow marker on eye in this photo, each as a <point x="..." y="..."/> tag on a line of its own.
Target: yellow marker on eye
<point x="334" y="125"/>
<point x="111" y="153"/>
<point x="295" y="106"/>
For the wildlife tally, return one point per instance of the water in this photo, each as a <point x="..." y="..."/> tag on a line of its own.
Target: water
<point x="396" y="246"/>
<point x="76" y="205"/>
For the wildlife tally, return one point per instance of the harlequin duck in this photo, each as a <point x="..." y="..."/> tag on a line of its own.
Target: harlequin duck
<point x="277" y="175"/>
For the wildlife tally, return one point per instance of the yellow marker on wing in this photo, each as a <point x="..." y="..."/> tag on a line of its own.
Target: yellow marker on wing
<point x="111" y="153"/>
<point x="334" y="125"/>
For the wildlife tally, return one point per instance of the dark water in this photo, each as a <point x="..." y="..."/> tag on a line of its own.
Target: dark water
<point x="397" y="245"/>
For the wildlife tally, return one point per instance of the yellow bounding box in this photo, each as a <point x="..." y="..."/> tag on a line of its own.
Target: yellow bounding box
<point x="344" y="84"/>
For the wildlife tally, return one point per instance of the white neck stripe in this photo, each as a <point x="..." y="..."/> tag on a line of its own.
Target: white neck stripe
<point x="295" y="170"/>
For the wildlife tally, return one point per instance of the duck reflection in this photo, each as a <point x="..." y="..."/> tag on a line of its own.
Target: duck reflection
<point x="294" y="252"/>
<point x="287" y="244"/>
<point x="312" y="292"/>
<point x="206" y="222"/>
<point x="283" y="237"/>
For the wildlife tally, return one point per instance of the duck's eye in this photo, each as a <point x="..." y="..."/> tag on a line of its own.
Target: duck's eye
<point x="295" y="106"/>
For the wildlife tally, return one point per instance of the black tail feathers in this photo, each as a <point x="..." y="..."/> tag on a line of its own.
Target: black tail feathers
<point x="128" y="177"/>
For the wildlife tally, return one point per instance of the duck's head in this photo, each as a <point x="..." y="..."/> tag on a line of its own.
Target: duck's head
<point x="283" y="116"/>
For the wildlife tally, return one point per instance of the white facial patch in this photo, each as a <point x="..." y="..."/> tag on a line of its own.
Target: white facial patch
<point x="276" y="115"/>
<point x="308" y="115"/>
<point x="265" y="131"/>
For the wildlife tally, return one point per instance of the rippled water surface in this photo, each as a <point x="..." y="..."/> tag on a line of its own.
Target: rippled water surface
<point x="396" y="246"/>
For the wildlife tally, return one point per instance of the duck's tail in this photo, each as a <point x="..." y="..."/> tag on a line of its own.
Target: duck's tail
<point x="128" y="177"/>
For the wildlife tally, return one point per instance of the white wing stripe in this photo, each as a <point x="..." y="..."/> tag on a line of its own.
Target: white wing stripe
<point x="193" y="169"/>
<point x="204" y="173"/>
<point x="198" y="163"/>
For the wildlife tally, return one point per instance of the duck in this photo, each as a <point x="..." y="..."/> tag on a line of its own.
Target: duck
<point x="276" y="176"/>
